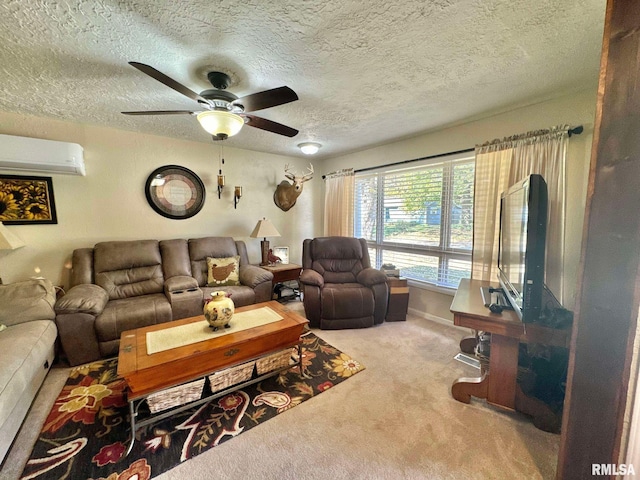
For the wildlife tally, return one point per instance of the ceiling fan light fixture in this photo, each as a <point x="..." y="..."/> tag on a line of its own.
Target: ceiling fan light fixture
<point x="220" y="123"/>
<point x="309" y="148"/>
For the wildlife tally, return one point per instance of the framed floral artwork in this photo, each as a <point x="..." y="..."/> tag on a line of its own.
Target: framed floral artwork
<point x="175" y="192"/>
<point x="26" y="200"/>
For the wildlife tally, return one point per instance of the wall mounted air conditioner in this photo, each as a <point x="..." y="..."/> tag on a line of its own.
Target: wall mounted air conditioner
<point x="37" y="155"/>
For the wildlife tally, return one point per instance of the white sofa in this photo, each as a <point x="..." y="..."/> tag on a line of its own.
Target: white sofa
<point x="27" y="348"/>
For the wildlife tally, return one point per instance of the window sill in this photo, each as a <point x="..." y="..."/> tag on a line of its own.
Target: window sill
<point x="431" y="287"/>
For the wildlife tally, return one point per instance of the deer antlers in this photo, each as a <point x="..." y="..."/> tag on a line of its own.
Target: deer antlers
<point x="298" y="178"/>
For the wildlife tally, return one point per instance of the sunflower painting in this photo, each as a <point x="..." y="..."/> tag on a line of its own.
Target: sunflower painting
<point x="26" y="200"/>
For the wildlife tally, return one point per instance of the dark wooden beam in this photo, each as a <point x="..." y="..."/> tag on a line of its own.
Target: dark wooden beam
<point x="607" y="304"/>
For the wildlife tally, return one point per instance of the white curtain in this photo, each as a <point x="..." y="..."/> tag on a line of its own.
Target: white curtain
<point x="338" y="203"/>
<point x="491" y="179"/>
<point x="500" y="164"/>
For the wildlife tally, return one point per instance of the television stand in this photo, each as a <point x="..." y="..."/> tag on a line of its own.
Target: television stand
<point x="498" y="382"/>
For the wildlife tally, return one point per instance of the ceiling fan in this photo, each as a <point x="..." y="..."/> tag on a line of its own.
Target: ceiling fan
<point x="221" y="113"/>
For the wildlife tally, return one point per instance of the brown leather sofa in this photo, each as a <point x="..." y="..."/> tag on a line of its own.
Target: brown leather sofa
<point x="340" y="289"/>
<point x="119" y="286"/>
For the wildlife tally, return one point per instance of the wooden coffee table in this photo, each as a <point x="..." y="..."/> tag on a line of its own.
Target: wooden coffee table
<point x="147" y="374"/>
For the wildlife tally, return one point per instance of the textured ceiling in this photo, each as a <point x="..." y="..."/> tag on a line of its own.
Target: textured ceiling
<point x="366" y="72"/>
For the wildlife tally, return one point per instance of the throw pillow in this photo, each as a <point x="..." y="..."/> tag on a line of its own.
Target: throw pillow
<point x="223" y="272"/>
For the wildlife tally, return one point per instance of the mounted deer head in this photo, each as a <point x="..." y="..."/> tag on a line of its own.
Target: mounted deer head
<point x="286" y="193"/>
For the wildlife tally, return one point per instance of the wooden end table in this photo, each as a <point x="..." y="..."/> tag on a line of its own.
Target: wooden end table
<point x="398" y="299"/>
<point x="282" y="272"/>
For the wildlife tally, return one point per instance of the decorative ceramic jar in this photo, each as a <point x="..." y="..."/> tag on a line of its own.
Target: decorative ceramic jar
<point x="219" y="310"/>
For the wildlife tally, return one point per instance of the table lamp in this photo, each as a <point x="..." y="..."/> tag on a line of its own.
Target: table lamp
<point x="8" y="240"/>
<point x="264" y="229"/>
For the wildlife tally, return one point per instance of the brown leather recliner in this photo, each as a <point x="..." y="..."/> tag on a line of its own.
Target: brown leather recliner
<point x="340" y="289"/>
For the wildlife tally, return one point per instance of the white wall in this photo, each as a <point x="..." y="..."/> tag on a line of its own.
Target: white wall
<point x="110" y="203"/>
<point x="575" y="109"/>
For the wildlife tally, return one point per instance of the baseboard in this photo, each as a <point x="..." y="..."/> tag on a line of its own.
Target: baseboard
<point x="429" y="316"/>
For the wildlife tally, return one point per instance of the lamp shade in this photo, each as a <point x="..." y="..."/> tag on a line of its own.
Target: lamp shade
<point x="264" y="229"/>
<point x="8" y="240"/>
<point x="220" y="123"/>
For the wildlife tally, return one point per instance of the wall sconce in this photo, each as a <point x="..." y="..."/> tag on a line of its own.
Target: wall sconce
<point x="237" y="193"/>
<point x="220" y="184"/>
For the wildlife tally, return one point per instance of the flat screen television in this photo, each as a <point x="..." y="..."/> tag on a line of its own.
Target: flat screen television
<point x="521" y="246"/>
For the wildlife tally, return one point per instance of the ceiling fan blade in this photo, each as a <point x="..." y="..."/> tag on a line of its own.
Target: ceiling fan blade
<point x="270" y="126"/>
<point x="267" y="99"/>
<point x="168" y="81"/>
<point x="160" y="112"/>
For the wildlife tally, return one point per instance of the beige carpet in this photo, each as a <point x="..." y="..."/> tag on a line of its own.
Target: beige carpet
<point x="395" y="420"/>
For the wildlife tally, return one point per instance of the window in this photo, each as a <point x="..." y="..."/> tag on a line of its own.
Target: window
<point x="419" y="219"/>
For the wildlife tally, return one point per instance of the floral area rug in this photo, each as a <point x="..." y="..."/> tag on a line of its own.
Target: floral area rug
<point x="87" y="431"/>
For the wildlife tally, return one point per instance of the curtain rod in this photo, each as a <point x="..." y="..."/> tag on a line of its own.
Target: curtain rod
<point x="466" y="150"/>
<point x="572" y="131"/>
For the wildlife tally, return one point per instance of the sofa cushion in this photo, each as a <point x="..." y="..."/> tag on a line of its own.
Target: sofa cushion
<point x="84" y="298"/>
<point x="241" y="295"/>
<point x="347" y="300"/>
<point x="128" y="269"/>
<point x="175" y="258"/>
<point x="252" y="276"/>
<point x="336" y="248"/>
<point x="337" y="259"/>
<point x="131" y="313"/>
<point x="24" y="348"/>
<point x="223" y="271"/>
<point x="201" y="248"/>
<point x="82" y="263"/>
<point x="26" y="301"/>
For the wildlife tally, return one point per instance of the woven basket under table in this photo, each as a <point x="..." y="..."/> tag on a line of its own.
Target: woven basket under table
<point x="273" y="362"/>
<point x="174" y="396"/>
<point x="230" y="376"/>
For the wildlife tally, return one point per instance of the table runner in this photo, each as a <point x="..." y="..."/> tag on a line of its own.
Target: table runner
<point x="182" y="335"/>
